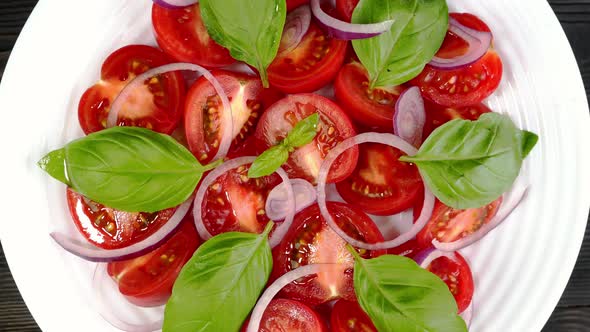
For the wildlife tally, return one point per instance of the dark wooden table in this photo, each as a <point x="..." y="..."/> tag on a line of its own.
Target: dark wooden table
<point x="573" y="312"/>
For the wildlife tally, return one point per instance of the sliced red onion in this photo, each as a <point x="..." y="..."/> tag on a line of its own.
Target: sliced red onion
<point x="296" y="26"/>
<point x="175" y="4"/>
<point x="387" y="139"/>
<point x="227" y="123"/>
<point x="410" y="116"/>
<point x="95" y="254"/>
<point x="104" y="287"/>
<point x="344" y="30"/>
<point x="509" y="202"/>
<point x="277" y="202"/>
<point x="479" y="43"/>
<point x="276" y="287"/>
<point x="280" y="230"/>
<point x="467" y="315"/>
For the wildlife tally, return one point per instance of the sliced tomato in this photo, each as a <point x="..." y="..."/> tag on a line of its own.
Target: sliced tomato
<point x="380" y="183"/>
<point x="203" y="111"/>
<point x="236" y="203"/>
<point x="310" y="240"/>
<point x="147" y="280"/>
<point x="371" y="108"/>
<point x="437" y="115"/>
<point x="109" y="228"/>
<point x="155" y="105"/>
<point x="284" y="315"/>
<point x="449" y="225"/>
<point x="457" y="275"/>
<point x="464" y="86"/>
<point x="311" y="65"/>
<point x="409" y="249"/>
<point x="182" y="34"/>
<point x="334" y="127"/>
<point x="345" y="8"/>
<point x="349" y="317"/>
<point x="292" y="4"/>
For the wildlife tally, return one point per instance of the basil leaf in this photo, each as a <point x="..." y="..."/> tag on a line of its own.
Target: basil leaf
<point x="399" y="55"/>
<point x="128" y="169"/>
<point x="220" y="284"/>
<point x="251" y="30"/>
<point x="269" y="161"/>
<point x="469" y="164"/>
<point x="304" y="132"/>
<point x="399" y="295"/>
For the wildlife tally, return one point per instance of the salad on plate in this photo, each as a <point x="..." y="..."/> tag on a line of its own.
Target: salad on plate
<point x="294" y="165"/>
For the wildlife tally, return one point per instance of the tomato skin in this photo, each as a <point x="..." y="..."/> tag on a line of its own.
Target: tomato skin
<point x="348" y="316"/>
<point x="310" y="240"/>
<point x="458" y="277"/>
<point x="292" y="4"/>
<point x="345" y="8"/>
<point x="288" y="315"/>
<point x="182" y="34"/>
<point x="409" y="249"/>
<point x="334" y="127"/>
<point x="381" y="184"/>
<point x="311" y="65"/>
<point x="111" y="229"/>
<point x="147" y="280"/>
<point x="143" y="108"/>
<point x="437" y="115"/>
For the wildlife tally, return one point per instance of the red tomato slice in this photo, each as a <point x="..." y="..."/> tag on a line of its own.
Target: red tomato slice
<point x="236" y="203"/>
<point x="310" y="240"/>
<point x="349" y="317"/>
<point x="182" y="34"/>
<point x="156" y="105"/>
<point x="437" y="115"/>
<point x="457" y="275"/>
<point x="464" y="86"/>
<point x="334" y="127"/>
<point x="147" y="280"/>
<point x="409" y="249"/>
<point x="449" y="225"/>
<point x="371" y="108"/>
<point x="345" y="8"/>
<point x="203" y="111"/>
<point x="292" y="4"/>
<point x="284" y="315"/>
<point x="109" y="228"/>
<point x="311" y="65"/>
<point x="381" y="184"/>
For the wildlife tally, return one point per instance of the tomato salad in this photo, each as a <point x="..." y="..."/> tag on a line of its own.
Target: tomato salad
<point x="270" y="192"/>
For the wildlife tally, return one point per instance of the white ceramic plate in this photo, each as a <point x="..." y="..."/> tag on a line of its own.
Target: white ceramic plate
<point x="520" y="269"/>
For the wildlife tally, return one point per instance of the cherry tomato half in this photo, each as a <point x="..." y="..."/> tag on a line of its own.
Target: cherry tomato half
<point x="155" y="105"/>
<point x="147" y="280"/>
<point x="457" y="275"/>
<point x="182" y="34"/>
<point x="334" y="127"/>
<point x="310" y="240"/>
<point x="345" y="8"/>
<point x="289" y="316"/>
<point x="112" y="229"/>
<point x="437" y="115"/>
<point x="349" y="317"/>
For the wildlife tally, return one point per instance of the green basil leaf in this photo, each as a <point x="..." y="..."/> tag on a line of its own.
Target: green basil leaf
<point x="269" y="161"/>
<point x="400" y="54"/>
<point x="220" y="284"/>
<point x="399" y="295"/>
<point x="304" y="132"/>
<point x="126" y="168"/>
<point x="251" y="30"/>
<point x="469" y="164"/>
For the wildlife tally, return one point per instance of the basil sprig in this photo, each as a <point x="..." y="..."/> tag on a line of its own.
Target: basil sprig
<point x="270" y="160"/>
<point x="469" y="164"/>
<point x="220" y="284"/>
<point x="398" y="295"/>
<point x="401" y="53"/>
<point x="251" y="30"/>
<point x="126" y="168"/>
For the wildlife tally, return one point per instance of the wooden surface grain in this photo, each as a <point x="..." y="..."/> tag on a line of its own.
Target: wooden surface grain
<point x="571" y="315"/>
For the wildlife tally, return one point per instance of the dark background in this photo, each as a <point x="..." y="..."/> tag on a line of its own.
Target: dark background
<point x="573" y="312"/>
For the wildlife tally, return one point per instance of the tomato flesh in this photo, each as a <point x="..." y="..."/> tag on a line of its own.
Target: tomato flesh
<point x="289" y="316"/>
<point x="457" y="275"/>
<point x="156" y="105"/>
<point x="348" y="316"/>
<point x="334" y="127"/>
<point x="147" y="280"/>
<point x="437" y="115"/>
<point x="292" y="4"/>
<point x="311" y="241"/>
<point x="182" y="34"/>
<point x="345" y="8"/>
<point x="311" y="65"/>
<point x="381" y="184"/>
<point x="108" y="228"/>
